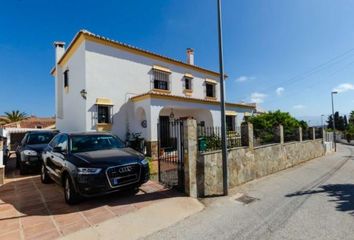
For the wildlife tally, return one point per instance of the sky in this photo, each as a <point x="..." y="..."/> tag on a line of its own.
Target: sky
<point x="286" y="55"/>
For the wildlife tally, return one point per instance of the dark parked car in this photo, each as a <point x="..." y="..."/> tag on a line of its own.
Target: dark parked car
<point x="29" y="151"/>
<point x="91" y="164"/>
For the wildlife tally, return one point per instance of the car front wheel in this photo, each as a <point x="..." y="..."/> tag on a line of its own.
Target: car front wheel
<point x="70" y="194"/>
<point x="44" y="175"/>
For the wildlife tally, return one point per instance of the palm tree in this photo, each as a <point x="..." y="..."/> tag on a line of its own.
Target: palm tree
<point x="14" y="116"/>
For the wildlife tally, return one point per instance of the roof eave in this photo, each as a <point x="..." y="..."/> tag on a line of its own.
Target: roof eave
<point x="90" y="36"/>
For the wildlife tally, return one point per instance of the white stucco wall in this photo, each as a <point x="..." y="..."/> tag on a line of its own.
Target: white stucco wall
<point x="74" y="107"/>
<point x="118" y="75"/>
<point x="107" y="72"/>
<point x="199" y="111"/>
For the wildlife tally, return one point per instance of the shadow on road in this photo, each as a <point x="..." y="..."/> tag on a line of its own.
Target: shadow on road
<point x="341" y="194"/>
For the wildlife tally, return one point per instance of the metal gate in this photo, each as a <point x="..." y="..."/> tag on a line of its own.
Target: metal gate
<point x="170" y="153"/>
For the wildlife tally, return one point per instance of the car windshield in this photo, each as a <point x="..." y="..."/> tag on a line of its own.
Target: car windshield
<point x="87" y="143"/>
<point x="39" y="138"/>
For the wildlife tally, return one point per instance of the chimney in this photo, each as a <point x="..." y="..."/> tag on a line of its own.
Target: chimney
<point x="59" y="50"/>
<point x="190" y="56"/>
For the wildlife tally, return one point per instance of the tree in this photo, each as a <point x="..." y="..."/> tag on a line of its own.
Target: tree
<point x="345" y="121"/>
<point x="271" y="119"/>
<point x="264" y="124"/>
<point x="351" y="118"/>
<point x="15" y="116"/>
<point x="303" y="124"/>
<point x="339" y="122"/>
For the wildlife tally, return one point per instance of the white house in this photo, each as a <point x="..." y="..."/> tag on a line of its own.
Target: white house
<point x="105" y="85"/>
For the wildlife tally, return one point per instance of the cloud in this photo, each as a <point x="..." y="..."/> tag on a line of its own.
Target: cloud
<point x="257" y="97"/>
<point x="344" y="87"/>
<point x="299" y="106"/>
<point x="244" y="79"/>
<point x="279" y="91"/>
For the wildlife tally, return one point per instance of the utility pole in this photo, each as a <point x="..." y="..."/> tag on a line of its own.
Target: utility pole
<point x="222" y="105"/>
<point x="334" y="122"/>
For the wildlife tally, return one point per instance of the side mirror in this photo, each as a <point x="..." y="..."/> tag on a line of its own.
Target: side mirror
<point x="57" y="149"/>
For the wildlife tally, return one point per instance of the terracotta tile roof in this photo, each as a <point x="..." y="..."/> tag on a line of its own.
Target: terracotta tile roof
<point x="168" y="96"/>
<point x="32" y="122"/>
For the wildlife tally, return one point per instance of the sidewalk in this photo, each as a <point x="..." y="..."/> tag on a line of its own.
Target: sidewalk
<point x="32" y="210"/>
<point x="343" y="141"/>
<point x="142" y="222"/>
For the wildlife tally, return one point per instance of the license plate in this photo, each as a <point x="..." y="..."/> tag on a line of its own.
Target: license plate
<point x="115" y="181"/>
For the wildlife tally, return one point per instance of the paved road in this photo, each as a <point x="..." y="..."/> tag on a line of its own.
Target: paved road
<point x="312" y="201"/>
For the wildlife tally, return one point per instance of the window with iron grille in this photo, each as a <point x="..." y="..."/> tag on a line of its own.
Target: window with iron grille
<point x="230" y="123"/>
<point x="210" y="90"/>
<point x="66" y="79"/>
<point x="188" y="83"/>
<point x="161" y="80"/>
<point x="103" y="114"/>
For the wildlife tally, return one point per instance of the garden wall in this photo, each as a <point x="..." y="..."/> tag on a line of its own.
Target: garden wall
<point x="246" y="164"/>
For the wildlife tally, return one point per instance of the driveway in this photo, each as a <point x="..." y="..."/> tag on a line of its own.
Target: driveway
<point x="32" y="210"/>
<point x="314" y="200"/>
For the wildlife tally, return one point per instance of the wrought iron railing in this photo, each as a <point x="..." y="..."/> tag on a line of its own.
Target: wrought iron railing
<point x="209" y="138"/>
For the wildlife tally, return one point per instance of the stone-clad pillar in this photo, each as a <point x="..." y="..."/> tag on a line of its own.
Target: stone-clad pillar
<point x="250" y="136"/>
<point x="281" y="134"/>
<point x="313" y="133"/>
<point x="190" y="157"/>
<point x="300" y="134"/>
<point x="247" y="138"/>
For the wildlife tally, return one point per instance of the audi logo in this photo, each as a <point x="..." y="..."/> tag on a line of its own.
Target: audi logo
<point x="125" y="169"/>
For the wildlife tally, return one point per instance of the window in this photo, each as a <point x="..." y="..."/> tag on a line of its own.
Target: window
<point x="54" y="141"/>
<point x="63" y="143"/>
<point x="103" y="114"/>
<point x="40" y="138"/>
<point x="210" y="90"/>
<point x="230" y="126"/>
<point x="187" y="83"/>
<point x="86" y="143"/>
<point x="66" y="79"/>
<point x="161" y="80"/>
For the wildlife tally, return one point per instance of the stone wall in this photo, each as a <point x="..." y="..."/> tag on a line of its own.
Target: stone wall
<point x="246" y="164"/>
<point x="151" y="149"/>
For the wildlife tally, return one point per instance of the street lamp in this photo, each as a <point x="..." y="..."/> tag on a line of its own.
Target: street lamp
<point x="222" y="104"/>
<point x="333" y="122"/>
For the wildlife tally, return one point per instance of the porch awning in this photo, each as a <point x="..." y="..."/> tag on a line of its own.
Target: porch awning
<point x="212" y="81"/>
<point x="162" y="69"/>
<point x="104" y="101"/>
<point x="230" y="113"/>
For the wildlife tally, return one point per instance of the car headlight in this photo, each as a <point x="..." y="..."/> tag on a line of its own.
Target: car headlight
<point x="145" y="162"/>
<point x="88" y="171"/>
<point x="30" y="153"/>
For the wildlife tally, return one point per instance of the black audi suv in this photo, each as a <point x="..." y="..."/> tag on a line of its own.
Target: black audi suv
<point x="29" y="151"/>
<point x="91" y="164"/>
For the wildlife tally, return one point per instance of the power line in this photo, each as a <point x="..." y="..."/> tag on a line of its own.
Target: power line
<point x="335" y="60"/>
<point x="315" y="82"/>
